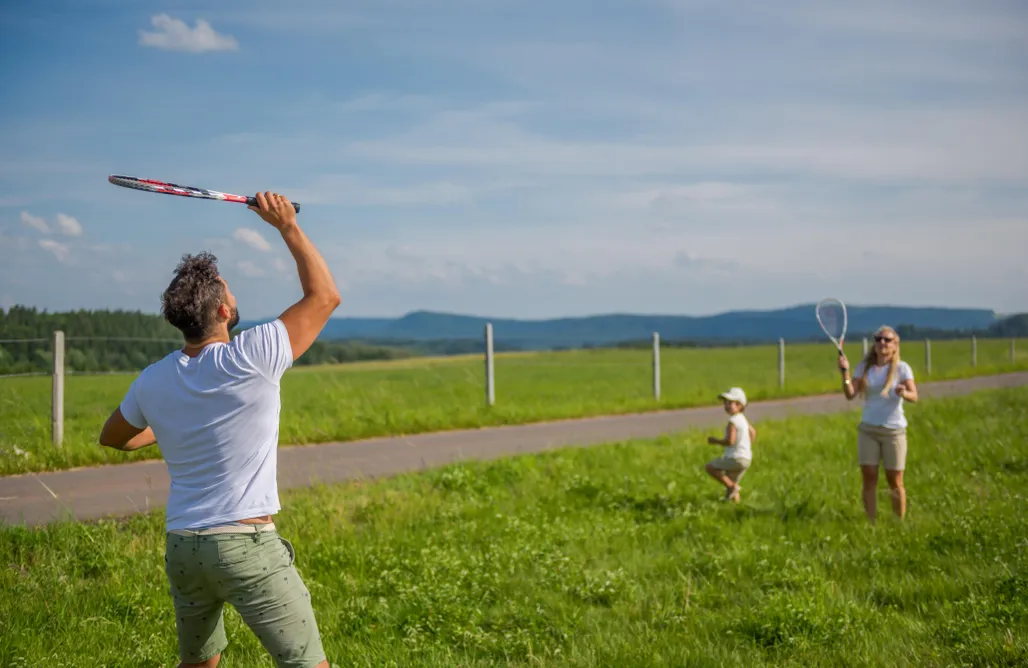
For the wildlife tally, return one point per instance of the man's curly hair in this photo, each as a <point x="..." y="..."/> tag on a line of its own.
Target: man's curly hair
<point x="192" y="299"/>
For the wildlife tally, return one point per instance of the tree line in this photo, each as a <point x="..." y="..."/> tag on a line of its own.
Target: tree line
<point x="115" y="340"/>
<point x="100" y="341"/>
<point x="1010" y="327"/>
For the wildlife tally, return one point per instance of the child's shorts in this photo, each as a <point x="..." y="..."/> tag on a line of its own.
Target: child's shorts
<point x="735" y="467"/>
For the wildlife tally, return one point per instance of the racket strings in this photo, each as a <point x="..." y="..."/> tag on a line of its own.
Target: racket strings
<point x="832" y="318"/>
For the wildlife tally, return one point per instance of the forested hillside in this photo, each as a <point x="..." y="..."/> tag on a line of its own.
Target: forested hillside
<point x="732" y="327"/>
<point x="94" y="340"/>
<point x="103" y="341"/>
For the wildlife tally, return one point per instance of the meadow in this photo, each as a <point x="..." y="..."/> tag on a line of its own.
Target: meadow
<point x="361" y="400"/>
<point x="618" y="554"/>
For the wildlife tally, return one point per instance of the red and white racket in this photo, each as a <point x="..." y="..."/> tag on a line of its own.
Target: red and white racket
<point x="154" y="186"/>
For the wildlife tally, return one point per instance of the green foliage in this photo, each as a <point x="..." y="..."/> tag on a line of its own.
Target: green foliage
<point x="1011" y="326"/>
<point x="95" y="340"/>
<point x="615" y="555"/>
<point x="1014" y="326"/>
<point x="106" y="341"/>
<point x="341" y="352"/>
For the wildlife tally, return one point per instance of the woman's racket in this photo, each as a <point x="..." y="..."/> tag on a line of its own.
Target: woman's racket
<point x="151" y="185"/>
<point x="831" y="315"/>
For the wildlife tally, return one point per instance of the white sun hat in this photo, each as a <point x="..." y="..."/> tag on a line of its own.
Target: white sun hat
<point x="734" y="394"/>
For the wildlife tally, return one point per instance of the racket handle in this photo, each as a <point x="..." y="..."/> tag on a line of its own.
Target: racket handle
<point x="252" y="201"/>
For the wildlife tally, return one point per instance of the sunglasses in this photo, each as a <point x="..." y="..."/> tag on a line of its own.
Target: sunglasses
<point x="884" y="339"/>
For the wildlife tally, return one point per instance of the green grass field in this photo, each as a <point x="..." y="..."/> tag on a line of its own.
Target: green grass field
<point x="616" y="555"/>
<point x="356" y="401"/>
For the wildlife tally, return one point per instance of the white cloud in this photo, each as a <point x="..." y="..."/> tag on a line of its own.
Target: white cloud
<point x="353" y="191"/>
<point x="857" y="143"/>
<point x="670" y="150"/>
<point x="385" y="101"/>
<point x="250" y="269"/>
<point x="760" y="255"/>
<point x="252" y="238"/>
<point x="69" y="225"/>
<point x="900" y="20"/>
<point x="174" y="35"/>
<point x="60" y="251"/>
<point x="35" y="222"/>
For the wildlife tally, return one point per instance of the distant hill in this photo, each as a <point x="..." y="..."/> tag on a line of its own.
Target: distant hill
<point x="794" y="323"/>
<point x="124" y="340"/>
<point x="1014" y="326"/>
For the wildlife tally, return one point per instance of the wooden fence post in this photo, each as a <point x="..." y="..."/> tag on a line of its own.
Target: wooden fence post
<point x="57" y="391"/>
<point x="656" y="366"/>
<point x="490" y="381"/>
<point x="781" y="363"/>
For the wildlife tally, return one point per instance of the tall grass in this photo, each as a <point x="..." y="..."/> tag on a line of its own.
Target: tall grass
<point x="616" y="555"/>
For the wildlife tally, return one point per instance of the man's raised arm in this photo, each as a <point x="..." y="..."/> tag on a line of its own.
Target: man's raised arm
<point x="305" y="319"/>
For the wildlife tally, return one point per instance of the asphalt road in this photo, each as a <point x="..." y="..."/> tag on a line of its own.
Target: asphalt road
<point x="124" y="489"/>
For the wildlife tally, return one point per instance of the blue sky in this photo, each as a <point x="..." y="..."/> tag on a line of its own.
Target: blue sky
<point x="522" y="159"/>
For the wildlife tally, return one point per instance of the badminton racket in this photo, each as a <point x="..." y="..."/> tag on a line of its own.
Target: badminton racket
<point x="831" y="315"/>
<point x="165" y="188"/>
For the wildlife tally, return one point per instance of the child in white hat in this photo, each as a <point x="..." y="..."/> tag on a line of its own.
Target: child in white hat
<point x="729" y="468"/>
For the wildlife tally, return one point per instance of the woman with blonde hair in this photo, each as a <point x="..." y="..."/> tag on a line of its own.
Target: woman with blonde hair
<point x="886" y="382"/>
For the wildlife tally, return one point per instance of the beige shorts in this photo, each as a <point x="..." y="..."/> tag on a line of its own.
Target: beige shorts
<point x="882" y="444"/>
<point x="733" y="468"/>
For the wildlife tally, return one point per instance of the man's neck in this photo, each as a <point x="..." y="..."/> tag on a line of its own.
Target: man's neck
<point x="193" y="349"/>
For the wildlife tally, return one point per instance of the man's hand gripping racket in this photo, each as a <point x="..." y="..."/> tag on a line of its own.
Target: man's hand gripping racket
<point x="275" y="209"/>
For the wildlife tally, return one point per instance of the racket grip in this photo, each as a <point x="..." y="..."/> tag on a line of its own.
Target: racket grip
<point x="252" y="201"/>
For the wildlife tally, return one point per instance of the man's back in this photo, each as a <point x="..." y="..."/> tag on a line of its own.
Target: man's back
<point x="216" y="420"/>
<point x="213" y="408"/>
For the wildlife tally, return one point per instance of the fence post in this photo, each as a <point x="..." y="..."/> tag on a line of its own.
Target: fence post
<point x="864" y="353"/>
<point x="974" y="350"/>
<point x="490" y="386"/>
<point x="781" y="363"/>
<point x="57" y="395"/>
<point x="656" y="366"/>
<point x="928" y="356"/>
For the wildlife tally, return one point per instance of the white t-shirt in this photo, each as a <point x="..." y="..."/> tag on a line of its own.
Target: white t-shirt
<point x="741" y="448"/>
<point x="216" y="419"/>
<point x="884" y="411"/>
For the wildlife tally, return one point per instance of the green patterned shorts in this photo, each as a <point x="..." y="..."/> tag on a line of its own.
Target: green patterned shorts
<point x="255" y="573"/>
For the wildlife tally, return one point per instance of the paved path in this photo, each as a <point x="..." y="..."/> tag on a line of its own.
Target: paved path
<point x="124" y="489"/>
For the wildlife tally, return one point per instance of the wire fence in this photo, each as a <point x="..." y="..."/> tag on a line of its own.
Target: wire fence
<point x="82" y="354"/>
<point x="641" y="374"/>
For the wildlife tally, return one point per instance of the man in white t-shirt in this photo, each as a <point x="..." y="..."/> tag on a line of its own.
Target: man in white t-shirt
<point x="214" y="408"/>
<point x="731" y="466"/>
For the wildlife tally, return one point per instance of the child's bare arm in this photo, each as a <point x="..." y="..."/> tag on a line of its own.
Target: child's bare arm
<point x="753" y="435"/>
<point x="729" y="438"/>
